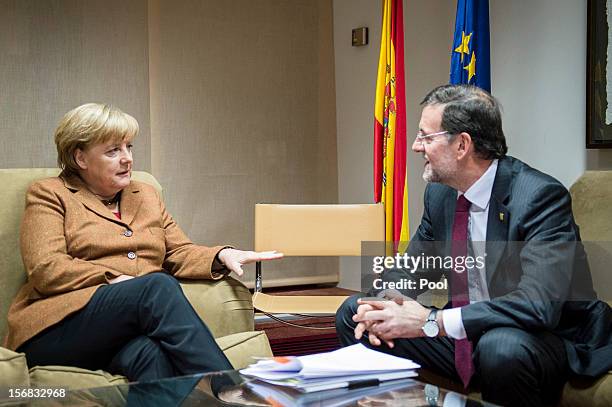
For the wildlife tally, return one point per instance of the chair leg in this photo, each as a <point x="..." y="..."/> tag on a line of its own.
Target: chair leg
<point x="258" y="279"/>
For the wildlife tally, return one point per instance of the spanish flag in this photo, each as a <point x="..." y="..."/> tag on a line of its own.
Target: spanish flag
<point x="390" y="184"/>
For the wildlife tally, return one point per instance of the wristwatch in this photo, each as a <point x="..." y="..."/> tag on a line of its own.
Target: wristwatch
<point x="432" y="393"/>
<point x="431" y="328"/>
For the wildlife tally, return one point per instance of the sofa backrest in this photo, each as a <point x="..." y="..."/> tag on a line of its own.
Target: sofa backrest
<point x="15" y="182"/>
<point x="592" y="206"/>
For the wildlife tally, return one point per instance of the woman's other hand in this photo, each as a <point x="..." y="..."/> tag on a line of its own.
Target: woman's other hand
<point x="234" y="259"/>
<point x="119" y="279"/>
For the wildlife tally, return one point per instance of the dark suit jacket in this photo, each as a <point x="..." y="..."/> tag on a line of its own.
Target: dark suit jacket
<point x="541" y="283"/>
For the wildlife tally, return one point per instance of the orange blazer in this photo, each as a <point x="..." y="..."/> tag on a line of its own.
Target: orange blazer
<point x="71" y="244"/>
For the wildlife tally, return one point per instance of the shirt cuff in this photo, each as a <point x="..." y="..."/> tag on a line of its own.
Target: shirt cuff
<point x="452" y="399"/>
<point x="453" y="324"/>
<point x="111" y="275"/>
<point x="217" y="266"/>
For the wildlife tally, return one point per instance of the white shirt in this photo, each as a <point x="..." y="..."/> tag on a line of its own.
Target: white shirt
<point x="479" y="194"/>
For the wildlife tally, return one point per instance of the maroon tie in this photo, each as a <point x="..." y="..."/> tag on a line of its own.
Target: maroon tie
<point x="459" y="288"/>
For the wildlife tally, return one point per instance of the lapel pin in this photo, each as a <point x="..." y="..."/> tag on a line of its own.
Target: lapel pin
<point x="501" y="216"/>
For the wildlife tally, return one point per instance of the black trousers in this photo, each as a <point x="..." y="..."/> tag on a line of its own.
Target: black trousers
<point x="143" y="328"/>
<point x="513" y="367"/>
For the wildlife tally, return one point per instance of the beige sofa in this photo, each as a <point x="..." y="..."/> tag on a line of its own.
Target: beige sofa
<point x="224" y="305"/>
<point x="592" y="206"/>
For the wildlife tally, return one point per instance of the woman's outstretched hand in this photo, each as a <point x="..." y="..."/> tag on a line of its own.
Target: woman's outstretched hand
<point x="234" y="259"/>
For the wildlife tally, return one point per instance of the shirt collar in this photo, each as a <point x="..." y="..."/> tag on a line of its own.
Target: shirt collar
<point x="479" y="194"/>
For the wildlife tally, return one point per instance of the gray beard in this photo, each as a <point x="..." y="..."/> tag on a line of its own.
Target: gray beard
<point x="429" y="175"/>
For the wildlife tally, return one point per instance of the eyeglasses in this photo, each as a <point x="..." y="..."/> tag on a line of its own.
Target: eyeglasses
<point x="428" y="138"/>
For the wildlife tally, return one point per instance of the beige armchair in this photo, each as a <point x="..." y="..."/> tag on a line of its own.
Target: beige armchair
<point x="592" y="206"/>
<point x="225" y="305"/>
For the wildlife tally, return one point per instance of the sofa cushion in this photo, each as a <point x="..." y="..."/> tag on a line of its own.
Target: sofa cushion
<point x="13" y="369"/>
<point x="72" y="377"/>
<point x="591" y="195"/>
<point x="240" y="348"/>
<point x="588" y="392"/>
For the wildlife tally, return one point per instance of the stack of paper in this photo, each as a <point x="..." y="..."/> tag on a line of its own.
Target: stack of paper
<point x="288" y="397"/>
<point x="353" y="367"/>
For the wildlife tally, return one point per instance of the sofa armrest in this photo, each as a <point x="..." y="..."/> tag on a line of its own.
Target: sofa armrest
<point x="241" y="348"/>
<point x="13" y="369"/>
<point x="224" y="305"/>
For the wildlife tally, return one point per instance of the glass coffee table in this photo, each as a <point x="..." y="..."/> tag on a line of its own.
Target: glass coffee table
<point x="229" y="388"/>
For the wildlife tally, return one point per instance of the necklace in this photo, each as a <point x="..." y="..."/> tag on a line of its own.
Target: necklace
<point x="112" y="201"/>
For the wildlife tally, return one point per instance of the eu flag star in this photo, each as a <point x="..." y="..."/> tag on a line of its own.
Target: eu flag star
<point x="471" y="68"/>
<point x="464" y="47"/>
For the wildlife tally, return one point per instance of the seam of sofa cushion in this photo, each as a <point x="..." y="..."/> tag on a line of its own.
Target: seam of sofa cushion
<point x="238" y="305"/>
<point x="11" y="358"/>
<point x="259" y="333"/>
<point x="67" y="369"/>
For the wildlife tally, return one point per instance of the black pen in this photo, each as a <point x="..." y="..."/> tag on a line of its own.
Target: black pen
<point x="356" y="384"/>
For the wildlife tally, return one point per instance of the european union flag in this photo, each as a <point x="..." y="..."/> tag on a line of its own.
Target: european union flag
<point x="470" y="59"/>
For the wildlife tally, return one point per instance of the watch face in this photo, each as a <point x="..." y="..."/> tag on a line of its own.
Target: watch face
<point x="431" y="391"/>
<point x="431" y="329"/>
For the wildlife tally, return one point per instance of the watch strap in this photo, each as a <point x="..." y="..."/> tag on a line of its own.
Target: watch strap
<point x="432" y="315"/>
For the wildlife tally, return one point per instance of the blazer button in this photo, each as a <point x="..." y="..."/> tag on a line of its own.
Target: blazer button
<point x="127" y="233"/>
<point x="131" y="255"/>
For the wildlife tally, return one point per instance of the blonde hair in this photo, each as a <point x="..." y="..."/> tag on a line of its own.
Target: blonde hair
<point x="87" y="125"/>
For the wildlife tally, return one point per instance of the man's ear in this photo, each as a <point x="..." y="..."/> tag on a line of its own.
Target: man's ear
<point x="79" y="158"/>
<point x="465" y="145"/>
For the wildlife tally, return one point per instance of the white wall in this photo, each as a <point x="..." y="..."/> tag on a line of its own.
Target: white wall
<point x="538" y="68"/>
<point x="355" y="85"/>
<point x="538" y="54"/>
<point x="427" y="56"/>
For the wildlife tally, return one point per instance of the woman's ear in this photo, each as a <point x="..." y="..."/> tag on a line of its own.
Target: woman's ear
<point x="79" y="158"/>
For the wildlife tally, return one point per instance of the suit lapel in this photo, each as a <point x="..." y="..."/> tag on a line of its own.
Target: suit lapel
<point x="130" y="203"/>
<point x="449" y="214"/>
<point x="498" y="218"/>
